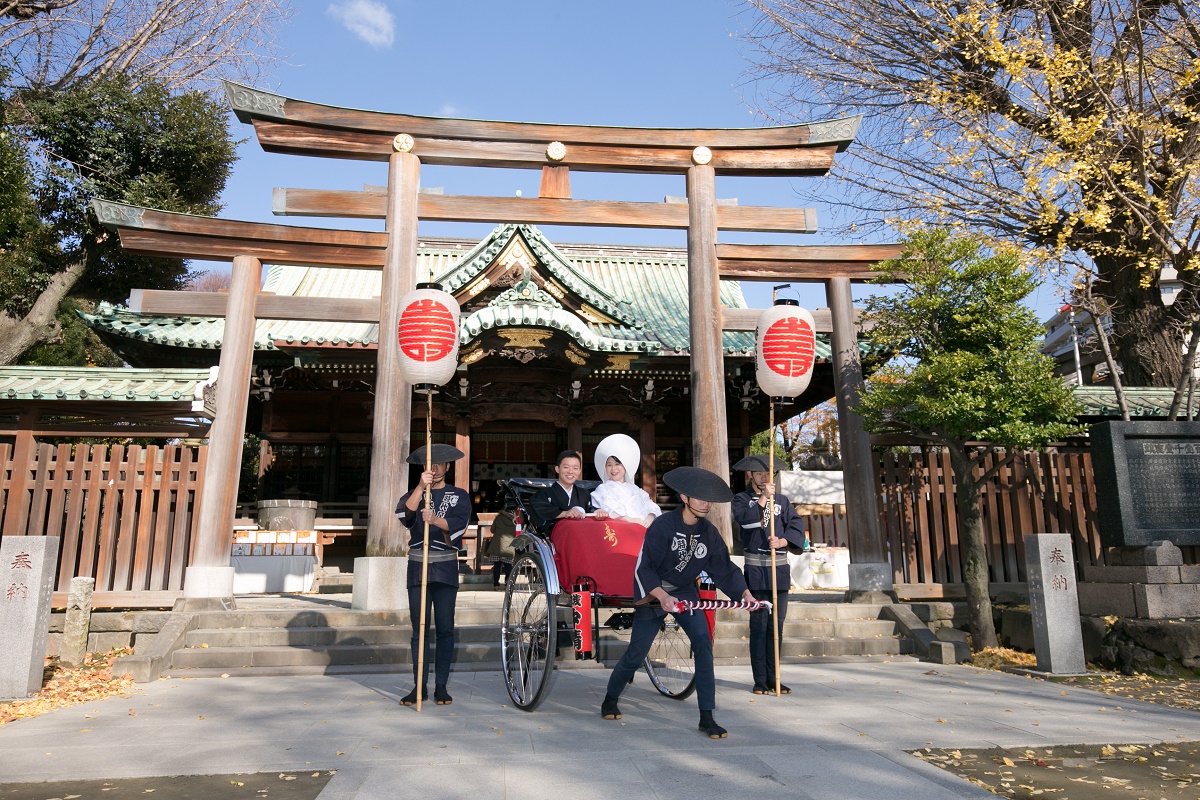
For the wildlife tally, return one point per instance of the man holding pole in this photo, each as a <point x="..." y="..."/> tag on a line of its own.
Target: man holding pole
<point x="767" y="525"/>
<point x="679" y="545"/>
<point x="439" y="513"/>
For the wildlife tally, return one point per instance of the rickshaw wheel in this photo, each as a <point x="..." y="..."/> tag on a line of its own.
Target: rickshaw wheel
<point x="669" y="664"/>
<point x="528" y="635"/>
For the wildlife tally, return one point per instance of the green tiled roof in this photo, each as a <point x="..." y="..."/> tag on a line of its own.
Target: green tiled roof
<point x="92" y="384"/>
<point x="1143" y="401"/>
<point x="644" y="288"/>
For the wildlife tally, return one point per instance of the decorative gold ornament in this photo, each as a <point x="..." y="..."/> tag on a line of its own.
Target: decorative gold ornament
<point x="525" y="337"/>
<point x="403" y="143"/>
<point x="556" y="151"/>
<point x="575" y="355"/>
<point x="701" y="155"/>
<point x="621" y="363"/>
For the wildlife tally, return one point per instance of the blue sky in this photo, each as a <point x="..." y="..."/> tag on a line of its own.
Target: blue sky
<point x="670" y="63"/>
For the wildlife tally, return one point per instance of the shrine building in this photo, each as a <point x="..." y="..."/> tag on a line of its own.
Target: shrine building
<point x="561" y="345"/>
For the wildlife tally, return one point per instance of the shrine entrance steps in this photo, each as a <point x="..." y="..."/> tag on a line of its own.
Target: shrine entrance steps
<point x="332" y="638"/>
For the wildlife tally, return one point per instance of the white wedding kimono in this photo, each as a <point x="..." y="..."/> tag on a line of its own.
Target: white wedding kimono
<point x="624" y="500"/>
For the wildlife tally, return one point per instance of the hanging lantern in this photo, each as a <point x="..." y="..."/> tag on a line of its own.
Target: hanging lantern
<point x="786" y="337"/>
<point x="428" y="334"/>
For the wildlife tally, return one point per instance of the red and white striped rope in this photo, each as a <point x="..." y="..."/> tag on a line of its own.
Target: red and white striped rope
<point x="712" y="605"/>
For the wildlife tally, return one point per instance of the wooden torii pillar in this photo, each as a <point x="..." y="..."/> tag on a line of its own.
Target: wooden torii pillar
<point x="381" y="578"/>
<point x="837" y="266"/>
<point x="208" y="579"/>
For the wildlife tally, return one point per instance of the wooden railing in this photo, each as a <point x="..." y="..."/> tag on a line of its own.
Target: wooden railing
<point x="124" y="514"/>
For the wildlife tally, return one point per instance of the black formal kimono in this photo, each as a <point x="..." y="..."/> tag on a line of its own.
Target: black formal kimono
<point x="548" y="503"/>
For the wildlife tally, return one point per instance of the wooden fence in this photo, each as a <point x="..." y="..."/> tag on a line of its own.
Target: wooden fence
<point x="1050" y="492"/>
<point x="124" y="515"/>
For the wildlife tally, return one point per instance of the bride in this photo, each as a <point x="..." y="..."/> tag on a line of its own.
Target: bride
<point x="619" y="495"/>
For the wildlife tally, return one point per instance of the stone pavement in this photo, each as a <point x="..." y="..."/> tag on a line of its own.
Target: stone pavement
<point x="841" y="735"/>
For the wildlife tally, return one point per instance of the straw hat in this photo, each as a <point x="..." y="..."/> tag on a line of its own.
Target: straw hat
<point x="758" y="463"/>
<point x="442" y="454"/>
<point x="699" y="483"/>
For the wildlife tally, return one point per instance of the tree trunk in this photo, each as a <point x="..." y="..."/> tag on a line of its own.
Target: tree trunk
<point x="974" y="551"/>
<point x="1149" y="344"/>
<point x="41" y="323"/>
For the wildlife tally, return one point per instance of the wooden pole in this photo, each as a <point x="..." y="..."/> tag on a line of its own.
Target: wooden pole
<point x="425" y="544"/>
<point x="390" y="435"/>
<point x="649" y="465"/>
<point x="214" y="542"/>
<point x="870" y="573"/>
<point x="462" y="440"/>
<point x="773" y="616"/>
<point x="710" y="437"/>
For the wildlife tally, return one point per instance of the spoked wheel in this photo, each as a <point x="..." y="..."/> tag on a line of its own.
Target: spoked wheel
<point x="528" y="633"/>
<point x="669" y="664"/>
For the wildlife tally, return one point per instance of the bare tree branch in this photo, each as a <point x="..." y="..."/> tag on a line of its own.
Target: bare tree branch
<point x="176" y="42"/>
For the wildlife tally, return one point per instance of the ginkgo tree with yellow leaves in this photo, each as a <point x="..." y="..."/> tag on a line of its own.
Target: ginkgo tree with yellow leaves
<point x="1071" y="127"/>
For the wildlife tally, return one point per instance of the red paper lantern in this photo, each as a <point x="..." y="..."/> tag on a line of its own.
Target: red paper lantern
<point x="786" y="349"/>
<point x="428" y="335"/>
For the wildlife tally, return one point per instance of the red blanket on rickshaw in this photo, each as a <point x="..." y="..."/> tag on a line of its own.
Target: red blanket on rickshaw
<point x="604" y="550"/>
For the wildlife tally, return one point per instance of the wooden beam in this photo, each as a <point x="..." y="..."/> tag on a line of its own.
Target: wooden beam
<point x="162" y="233"/>
<point x="124" y="431"/>
<point x="758" y="262"/>
<point x="283" y="137"/>
<point x="541" y="210"/>
<point x="253" y="105"/>
<point x="268" y="306"/>
<point x="746" y="319"/>
<point x="148" y="599"/>
<point x="182" y="245"/>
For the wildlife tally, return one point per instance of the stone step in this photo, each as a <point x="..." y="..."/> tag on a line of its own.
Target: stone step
<point x="332" y="618"/>
<point x="284" y="655"/>
<point x="469" y="614"/>
<point x="478" y="656"/>
<point x="331" y="647"/>
<point x="324" y="637"/>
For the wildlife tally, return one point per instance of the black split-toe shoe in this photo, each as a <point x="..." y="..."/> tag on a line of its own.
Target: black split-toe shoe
<point x="410" y="699"/>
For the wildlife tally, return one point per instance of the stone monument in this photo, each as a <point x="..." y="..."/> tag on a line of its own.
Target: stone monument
<point x="1057" y="635"/>
<point x="27" y="569"/>
<point x="1147" y="473"/>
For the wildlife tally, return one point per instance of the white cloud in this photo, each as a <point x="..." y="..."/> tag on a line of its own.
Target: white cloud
<point x="369" y="20"/>
<point x="449" y="110"/>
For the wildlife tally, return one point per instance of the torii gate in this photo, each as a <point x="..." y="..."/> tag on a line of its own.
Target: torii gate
<point x="285" y="125"/>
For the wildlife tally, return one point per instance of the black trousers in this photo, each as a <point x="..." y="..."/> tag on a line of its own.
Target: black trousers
<point x="439" y="613"/>
<point x="645" y="628"/>
<point x="762" y="648"/>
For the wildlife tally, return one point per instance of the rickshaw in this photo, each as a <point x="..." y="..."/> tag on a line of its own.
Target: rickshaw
<point x="548" y="609"/>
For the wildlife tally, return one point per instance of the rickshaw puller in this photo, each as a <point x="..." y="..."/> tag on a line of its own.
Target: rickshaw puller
<point x="680" y="545"/>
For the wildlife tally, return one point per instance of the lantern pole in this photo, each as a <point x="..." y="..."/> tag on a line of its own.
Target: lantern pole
<point x="425" y="544"/>
<point x="771" y="525"/>
<point x="785" y="351"/>
<point x="771" y="535"/>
